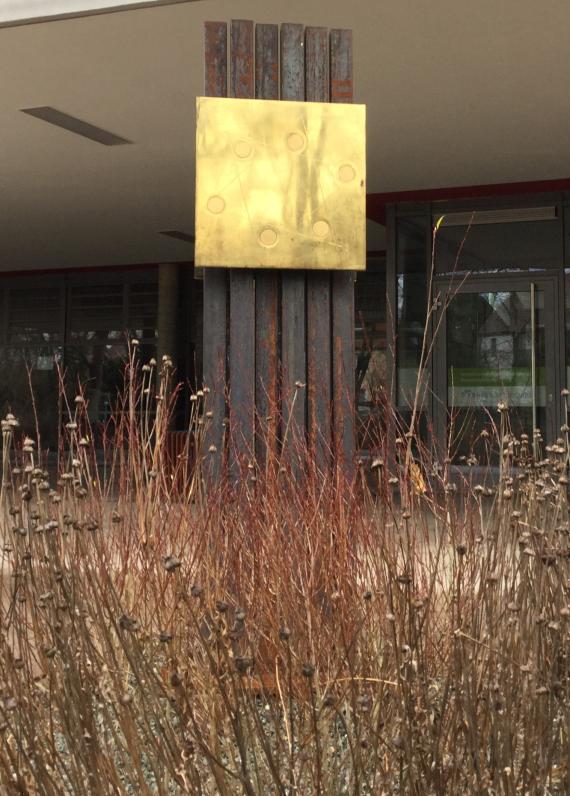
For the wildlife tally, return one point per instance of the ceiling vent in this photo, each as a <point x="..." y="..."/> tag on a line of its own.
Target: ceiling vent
<point x="178" y="235"/>
<point x="74" y="125"/>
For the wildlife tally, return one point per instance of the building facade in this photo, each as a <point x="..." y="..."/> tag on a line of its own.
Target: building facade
<point x="465" y="302"/>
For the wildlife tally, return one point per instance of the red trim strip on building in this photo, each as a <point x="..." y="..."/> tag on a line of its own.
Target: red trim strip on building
<point x="376" y="202"/>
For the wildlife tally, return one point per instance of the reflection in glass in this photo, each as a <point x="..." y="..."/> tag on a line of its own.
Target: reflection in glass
<point x="80" y="327"/>
<point x="33" y="343"/>
<point x="489" y="359"/>
<point x="371" y="349"/>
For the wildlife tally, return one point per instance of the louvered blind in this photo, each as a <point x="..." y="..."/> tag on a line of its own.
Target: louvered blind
<point x="35" y="315"/>
<point x="143" y="309"/>
<point x="97" y="311"/>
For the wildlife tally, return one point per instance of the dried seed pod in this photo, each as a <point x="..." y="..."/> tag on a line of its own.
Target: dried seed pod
<point x="548" y="558"/>
<point x="128" y="623"/>
<point x="171" y="563"/>
<point x="243" y="665"/>
<point x="284" y="633"/>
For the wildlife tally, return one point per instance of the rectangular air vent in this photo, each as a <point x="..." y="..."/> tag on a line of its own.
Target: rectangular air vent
<point x="74" y="125"/>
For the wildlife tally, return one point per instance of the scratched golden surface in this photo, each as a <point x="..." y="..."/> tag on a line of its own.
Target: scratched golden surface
<point x="280" y="184"/>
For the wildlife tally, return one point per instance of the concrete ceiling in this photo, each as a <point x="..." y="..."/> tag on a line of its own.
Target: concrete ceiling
<point x="458" y="94"/>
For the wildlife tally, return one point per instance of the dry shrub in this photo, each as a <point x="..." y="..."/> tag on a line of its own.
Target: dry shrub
<point x="283" y="630"/>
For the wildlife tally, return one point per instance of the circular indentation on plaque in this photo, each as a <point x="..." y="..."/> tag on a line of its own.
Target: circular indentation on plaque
<point x="321" y="229"/>
<point x="243" y="149"/>
<point x="216" y="205"/>
<point x="346" y="173"/>
<point x="268" y="237"/>
<point x="296" y="142"/>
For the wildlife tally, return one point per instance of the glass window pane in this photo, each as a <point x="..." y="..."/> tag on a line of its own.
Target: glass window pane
<point x="96" y="311"/>
<point x="35" y="315"/>
<point x="506" y="246"/>
<point x="101" y="318"/>
<point x="489" y="359"/>
<point x="412" y="243"/>
<point x="35" y="365"/>
<point x="371" y="348"/>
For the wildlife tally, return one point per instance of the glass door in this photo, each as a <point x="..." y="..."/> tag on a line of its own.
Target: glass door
<point x="496" y="343"/>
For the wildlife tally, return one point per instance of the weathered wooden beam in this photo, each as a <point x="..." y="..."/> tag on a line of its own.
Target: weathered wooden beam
<point x="341" y="66"/>
<point x="293" y="283"/>
<point x="317" y="89"/>
<point x="242" y="284"/>
<point x="266" y="282"/>
<point x="292" y="62"/>
<point x="316" y="310"/>
<point x="341" y="80"/>
<point x="215" y="279"/>
<point x="241" y="59"/>
<point x="317" y="84"/>
<point x="267" y="62"/>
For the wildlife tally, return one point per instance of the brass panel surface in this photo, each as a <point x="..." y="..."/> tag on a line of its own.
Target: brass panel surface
<point x="280" y="184"/>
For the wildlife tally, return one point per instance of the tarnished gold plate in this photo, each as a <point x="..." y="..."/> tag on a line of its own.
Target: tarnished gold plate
<point x="280" y="184"/>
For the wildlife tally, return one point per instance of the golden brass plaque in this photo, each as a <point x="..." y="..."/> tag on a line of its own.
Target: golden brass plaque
<point x="280" y="184"/>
